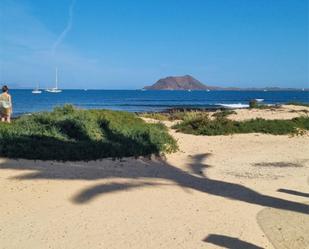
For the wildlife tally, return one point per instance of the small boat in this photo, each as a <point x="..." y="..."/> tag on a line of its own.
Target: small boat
<point x="55" y="89"/>
<point x="37" y="90"/>
<point x="259" y="100"/>
<point x="189" y="90"/>
<point x="207" y="90"/>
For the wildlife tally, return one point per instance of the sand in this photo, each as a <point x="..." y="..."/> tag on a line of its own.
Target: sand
<point x="283" y="112"/>
<point x="240" y="191"/>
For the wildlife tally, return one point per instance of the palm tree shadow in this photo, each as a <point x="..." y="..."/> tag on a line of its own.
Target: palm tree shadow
<point x="293" y="192"/>
<point x="197" y="166"/>
<point x="151" y="170"/>
<point x="229" y="242"/>
<point x="93" y="192"/>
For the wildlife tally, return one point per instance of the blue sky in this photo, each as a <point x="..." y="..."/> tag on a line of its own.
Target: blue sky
<point x="126" y="44"/>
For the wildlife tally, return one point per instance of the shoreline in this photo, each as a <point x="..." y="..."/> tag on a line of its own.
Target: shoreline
<point x="172" y="109"/>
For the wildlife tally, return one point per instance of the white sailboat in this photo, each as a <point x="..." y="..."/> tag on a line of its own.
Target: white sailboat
<point x="37" y="90"/>
<point x="55" y="89"/>
<point x="259" y="100"/>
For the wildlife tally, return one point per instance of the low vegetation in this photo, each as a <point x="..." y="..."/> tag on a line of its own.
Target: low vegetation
<point x="298" y="104"/>
<point x="67" y="133"/>
<point x="171" y="116"/>
<point x="223" y="113"/>
<point x="185" y="115"/>
<point x="204" y="125"/>
<point x="254" y="104"/>
<point x="156" y="116"/>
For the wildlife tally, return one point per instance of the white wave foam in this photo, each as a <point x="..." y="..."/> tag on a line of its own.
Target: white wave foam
<point x="234" y="106"/>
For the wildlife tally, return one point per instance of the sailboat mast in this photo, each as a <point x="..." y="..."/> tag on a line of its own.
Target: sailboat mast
<point x="56" y="77"/>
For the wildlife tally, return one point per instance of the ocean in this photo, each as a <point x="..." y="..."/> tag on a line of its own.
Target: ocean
<point x="25" y="102"/>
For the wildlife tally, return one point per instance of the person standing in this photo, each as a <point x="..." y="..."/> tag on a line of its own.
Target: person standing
<point x="5" y="105"/>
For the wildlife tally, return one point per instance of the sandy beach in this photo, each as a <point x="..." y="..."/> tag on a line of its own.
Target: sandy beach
<point x="239" y="191"/>
<point x="282" y="112"/>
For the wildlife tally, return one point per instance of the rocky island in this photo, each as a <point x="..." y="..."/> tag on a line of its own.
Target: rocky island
<point x="186" y="82"/>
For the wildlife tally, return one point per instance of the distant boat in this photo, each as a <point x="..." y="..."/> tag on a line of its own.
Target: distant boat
<point x="189" y="90"/>
<point x="259" y="100"/>
<point x="37" y="90"/>
<point x="207" y="90"/>
<point x="265" y="90"/>
<point x="55" y="89"/>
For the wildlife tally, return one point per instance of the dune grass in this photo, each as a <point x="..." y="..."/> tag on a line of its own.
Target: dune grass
<point x="67" y="133"/>
<point x="156" y="116"/>
<point x="186" y="115"/>
<point x="223" y="113"/>
<point x="204" y="125"/>
<point x="178" y="115"/>
<point x="298" y="104"/>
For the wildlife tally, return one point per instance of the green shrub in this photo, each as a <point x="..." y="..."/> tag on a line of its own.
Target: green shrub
<point x="155" y="115"/>
<point x="70" y="134"/>
<point x="298" y="103"/>
<point x="173" y="115"/>
<point x="223" y="126"/>
<point x="253" y="103"/>
<point x="223" y="113"/>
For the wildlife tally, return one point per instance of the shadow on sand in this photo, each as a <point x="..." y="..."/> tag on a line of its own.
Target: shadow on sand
<point x="293" y="192"/>
<point x="147" y="171"/>
<point x="229" y="242"/>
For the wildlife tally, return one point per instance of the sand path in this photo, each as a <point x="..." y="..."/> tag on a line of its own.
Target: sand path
<point x="216" y="192"/>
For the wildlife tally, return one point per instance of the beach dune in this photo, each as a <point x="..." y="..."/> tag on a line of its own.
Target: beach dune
<point x="240" y="191"/>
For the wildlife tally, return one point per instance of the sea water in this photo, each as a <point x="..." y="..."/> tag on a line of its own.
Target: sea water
<point x="146" y="101"/>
